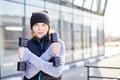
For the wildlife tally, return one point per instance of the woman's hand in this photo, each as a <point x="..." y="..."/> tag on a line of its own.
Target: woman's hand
<point x="21" y="52"/>
<point x="56" y="47"/>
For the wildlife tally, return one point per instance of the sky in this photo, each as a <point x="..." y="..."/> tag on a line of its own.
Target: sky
<point x="112" y="18"/>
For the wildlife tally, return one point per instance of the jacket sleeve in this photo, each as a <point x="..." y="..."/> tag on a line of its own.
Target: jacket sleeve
<point x="42" y="63"/>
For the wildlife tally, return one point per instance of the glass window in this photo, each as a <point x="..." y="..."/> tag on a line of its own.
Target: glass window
<point x="86" y="18"/>
<point x="79" y="2"/>
<point x="37" y="3"/>
<point x="66" y="9"/>
<point x="70" y="1"/>
<point x="100" y="35"/>
<point x="77" y="21"/>
<point x="86" y="41"/>
<point x="102" y="5"/>
<point x="11" y="29"/>
<point x="94" y="35"/>
<point x="88" y="4"/>
<point x="1" y="45"/>
<point x="22" y="1"/>
<point x="54" y="18"/>
<point x="86" y="34"/>
<point x="66" y="35"/>
<point x="78" y="12"/>
<point x="8" y="8"/>
<point x="95" y="5"/>
<point x="0" y="16"/>
<point x="54" y="1"/>
<point x="52" y="6"/>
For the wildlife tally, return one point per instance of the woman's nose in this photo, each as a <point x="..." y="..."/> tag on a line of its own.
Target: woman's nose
<point x="40" y="28"/>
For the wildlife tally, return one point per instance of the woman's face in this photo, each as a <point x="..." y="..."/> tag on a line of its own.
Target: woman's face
<point x="40" y="29"/>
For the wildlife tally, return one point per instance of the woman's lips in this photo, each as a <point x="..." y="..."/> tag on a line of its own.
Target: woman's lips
<point x="40" y="33"/>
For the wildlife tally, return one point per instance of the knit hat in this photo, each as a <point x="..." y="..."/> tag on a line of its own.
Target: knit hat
<point x="39" y="17"/>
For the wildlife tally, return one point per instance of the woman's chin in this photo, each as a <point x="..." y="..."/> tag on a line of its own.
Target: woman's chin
<point x="40" y="36"/>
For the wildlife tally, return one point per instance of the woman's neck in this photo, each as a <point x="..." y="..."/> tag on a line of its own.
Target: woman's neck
<point x="38" y="39"/>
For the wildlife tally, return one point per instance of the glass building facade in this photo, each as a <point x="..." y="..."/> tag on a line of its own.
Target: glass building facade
<point x="79" y="22"/>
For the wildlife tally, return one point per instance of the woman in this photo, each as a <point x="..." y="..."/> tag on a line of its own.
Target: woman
<point x="40" y="51"/>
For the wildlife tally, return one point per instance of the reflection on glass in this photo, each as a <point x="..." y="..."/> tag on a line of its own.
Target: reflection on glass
<point x="78" y="2"/>
<point x="86" y="41"/>
<point x="31" y="9"/>
<point x="95" y="5"/>
<point x="66" y="9"/>
<point x="54" y="1"/>
<point x="54" y="17"/>
<point x="94" y="25"/>
<point x="11" y="9"/>
<point x="66" y="33"/>
<point x="88" y="4"/>
<point x="77" y="45"/>
<point x="77" y="36"/>
<point x="86" y="19"/>
<point x="50" y="5"/>
<point x="11" y="20"/>
<point x="100" y="35"/>
<point x="37" y="3"/>
<point x="70" y="1"/>
<point x="67" y="38"/>
<point x="78" y="12"/>
<point x="22" y="1"/>
<point x="102" y="6"/>
<point x="77" y="31"/>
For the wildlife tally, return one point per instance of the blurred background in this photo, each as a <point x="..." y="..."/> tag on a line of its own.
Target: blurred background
<point x="89" y="28"/>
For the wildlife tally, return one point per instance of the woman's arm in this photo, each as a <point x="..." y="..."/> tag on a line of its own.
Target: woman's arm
<point x="42" y="62"/>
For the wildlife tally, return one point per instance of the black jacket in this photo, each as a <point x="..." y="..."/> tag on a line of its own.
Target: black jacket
<point x="38" y="48"/>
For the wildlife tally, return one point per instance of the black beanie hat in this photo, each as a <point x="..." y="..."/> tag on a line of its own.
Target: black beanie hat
<point x="39" y="17"/>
